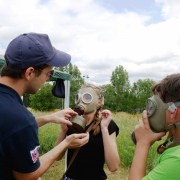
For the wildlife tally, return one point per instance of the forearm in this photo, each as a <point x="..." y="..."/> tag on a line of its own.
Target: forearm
<point x="61" y="137"/>
<point x="42" y="120"/>
<point x="138" y="167"/>
<point x="47" y="159"/>
<point x="110" y="150"/>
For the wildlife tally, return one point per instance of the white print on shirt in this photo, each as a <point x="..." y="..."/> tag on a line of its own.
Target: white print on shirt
<point x="35" y="153"/>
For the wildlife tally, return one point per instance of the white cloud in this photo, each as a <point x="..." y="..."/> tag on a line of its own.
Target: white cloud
<point x="98" y="39"/>
<point x="170" y="8"/>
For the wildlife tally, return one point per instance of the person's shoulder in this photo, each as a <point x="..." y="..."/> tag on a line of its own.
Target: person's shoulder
<point x="17" y="116"/>
<point x="113" y="127"/>
<point x="175" y="151"/>
<point x="113" y="123"/>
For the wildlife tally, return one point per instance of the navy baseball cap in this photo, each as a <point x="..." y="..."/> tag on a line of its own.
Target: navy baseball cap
<point x="33" y="49"/>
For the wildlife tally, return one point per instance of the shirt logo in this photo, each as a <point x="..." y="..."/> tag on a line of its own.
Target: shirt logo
<point x="35" y="153"/>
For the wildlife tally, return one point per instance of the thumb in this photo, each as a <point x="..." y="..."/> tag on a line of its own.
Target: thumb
<point x="145" y="118"/>
<point x="161" y="134"/>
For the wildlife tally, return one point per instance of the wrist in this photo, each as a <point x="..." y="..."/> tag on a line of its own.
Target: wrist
<point x="104" y="129"/>
<point x="143" y="144"/>
<point x="46" y="118"/>
<point x="63" y="131"/>
<point x="64" y="144"/>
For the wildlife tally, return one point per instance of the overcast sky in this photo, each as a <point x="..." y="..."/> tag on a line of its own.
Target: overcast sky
<point x="141" y="35"/>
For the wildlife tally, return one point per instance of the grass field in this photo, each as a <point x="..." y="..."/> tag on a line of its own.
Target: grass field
<point x="126" y="122"/>
<point x="56" y="171"/>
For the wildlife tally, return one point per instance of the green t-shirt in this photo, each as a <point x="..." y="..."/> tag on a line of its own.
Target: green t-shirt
<point x="167" y="166"/>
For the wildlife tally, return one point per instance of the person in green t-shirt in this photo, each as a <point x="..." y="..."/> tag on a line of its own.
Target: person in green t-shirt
<point x="162" y="116"/>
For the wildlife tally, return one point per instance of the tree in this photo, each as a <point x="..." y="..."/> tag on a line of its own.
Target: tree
<point x="44" y="100"/>
<point x="26" y="100"/>
<point x="139" y="94"/>
<point x="109" y="97"/>
<point x="76" y="81"/>
<point x="121" y="87"/>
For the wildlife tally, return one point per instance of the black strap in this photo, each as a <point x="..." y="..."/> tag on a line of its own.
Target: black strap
<point x="75" y="154"/>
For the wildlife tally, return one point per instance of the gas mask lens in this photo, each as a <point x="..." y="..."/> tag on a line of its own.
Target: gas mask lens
<point x="150" y="107"/>
<point x="86" y="98"/>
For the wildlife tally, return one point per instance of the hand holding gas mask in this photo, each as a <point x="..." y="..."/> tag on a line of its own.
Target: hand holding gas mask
<point x="156" y="111"/>
<point x="86" y="101"/>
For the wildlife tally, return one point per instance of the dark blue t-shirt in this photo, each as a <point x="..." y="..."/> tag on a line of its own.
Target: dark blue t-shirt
<point x="19" y="144"/>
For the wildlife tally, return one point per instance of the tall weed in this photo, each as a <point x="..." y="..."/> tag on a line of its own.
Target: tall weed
<point x="126" y="123"/>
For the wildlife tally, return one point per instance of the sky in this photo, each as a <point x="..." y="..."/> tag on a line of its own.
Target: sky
<point x="143" y="36"/>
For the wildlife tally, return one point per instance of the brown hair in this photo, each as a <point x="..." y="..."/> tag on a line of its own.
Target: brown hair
<point x="18" y="73"/>
<point x="169" y="91"/>
<point x="169" y="88"/>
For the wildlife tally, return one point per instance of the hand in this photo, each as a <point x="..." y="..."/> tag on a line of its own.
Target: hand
<point x="107" y="117"/>
<point x="143" y="132"/>
<point x="62" y="116"/>
<point x="64" y="127"/>
<point x="77" y="140"/>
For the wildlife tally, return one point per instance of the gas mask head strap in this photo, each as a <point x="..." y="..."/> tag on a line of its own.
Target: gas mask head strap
<point x="162" y="147"/>
<point x="96" y="89"/>
<point x="172" y="108"/>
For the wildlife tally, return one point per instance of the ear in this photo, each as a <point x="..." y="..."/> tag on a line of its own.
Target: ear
<point x="173" y="114"/>
<point x="28" y="73"/>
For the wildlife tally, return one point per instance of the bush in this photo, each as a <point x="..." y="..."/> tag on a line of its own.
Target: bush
<point x="44" y="100"/>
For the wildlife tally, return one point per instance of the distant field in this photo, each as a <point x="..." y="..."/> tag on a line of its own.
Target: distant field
<point x="126" y="122"/>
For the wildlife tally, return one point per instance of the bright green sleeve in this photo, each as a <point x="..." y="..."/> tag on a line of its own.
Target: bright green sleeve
<point x="167" y="166"/>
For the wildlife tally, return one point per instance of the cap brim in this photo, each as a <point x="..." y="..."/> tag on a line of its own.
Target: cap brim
<point x="60" y="59"/>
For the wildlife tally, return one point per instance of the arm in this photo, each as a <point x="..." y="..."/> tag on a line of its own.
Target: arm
<point x="62" y="136"/>
<point x="75" y="140"/>
<point x="60" y="117"/>
<point x="145" y="137"/>
<point x="110" y="148"/>
<point x="138" y="167"/>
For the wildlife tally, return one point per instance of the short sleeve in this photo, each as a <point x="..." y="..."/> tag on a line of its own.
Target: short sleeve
<point x="167" y="166"/>
<point x="22" y="150"/>
<point x="113" y="128"/>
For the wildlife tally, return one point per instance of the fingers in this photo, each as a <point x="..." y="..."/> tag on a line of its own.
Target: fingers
<point x="145" y="119"/>
<point x="144" y="115"/>
<point x="105" y="113"/>
<point x="144" y="133"/>
<point x="67" y="122"/>
<point x="67" y="116"/>
<point x="160" y="135"/>
<point x="78" y="140"/>
<point x="70" y="112"/>
<point x="81" y="135"/>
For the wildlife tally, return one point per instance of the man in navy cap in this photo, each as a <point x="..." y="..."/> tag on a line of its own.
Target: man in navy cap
<point x="30" y="59"/>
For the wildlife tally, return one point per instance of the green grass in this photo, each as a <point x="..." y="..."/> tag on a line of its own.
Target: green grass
<point x="126" y="122"/>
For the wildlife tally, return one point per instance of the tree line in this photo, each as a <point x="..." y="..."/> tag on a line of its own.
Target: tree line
<point x="119" y="95"/>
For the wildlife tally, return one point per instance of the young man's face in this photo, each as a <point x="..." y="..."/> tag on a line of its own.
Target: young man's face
<point x="38" y="81"/>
